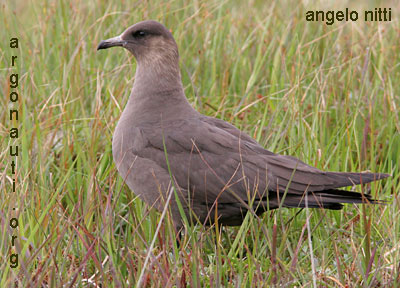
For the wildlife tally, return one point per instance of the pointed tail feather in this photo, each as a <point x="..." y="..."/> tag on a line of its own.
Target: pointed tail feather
<point x="329" y="199"/>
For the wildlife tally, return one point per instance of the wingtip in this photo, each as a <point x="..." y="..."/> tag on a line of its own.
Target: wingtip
<point x="383" y="175"/>
<point x="344" y="179"/>
<point x="371" y="177"/>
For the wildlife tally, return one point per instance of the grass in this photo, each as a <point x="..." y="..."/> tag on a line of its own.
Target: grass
<point x="325" y="94"/>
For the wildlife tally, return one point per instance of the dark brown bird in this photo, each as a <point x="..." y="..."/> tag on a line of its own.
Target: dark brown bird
<point x="215" y="168"/>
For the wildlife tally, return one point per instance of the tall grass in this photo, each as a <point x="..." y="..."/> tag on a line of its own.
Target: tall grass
<point x="326" y="94"/>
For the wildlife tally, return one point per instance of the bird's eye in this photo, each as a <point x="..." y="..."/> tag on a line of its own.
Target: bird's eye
<point x="138" y="34"/>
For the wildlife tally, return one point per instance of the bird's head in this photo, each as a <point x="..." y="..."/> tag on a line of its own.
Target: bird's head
<point x="148" y="41"/>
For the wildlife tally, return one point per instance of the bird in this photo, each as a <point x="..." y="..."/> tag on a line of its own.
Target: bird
<point x="203" y="168"/>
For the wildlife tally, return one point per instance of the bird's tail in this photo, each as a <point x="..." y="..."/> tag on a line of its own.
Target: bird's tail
<point x="332" y="199"/>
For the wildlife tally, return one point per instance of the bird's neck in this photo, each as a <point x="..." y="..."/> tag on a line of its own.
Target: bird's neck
<point x="157" y="91"/>
<point x="157" y="77"/>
